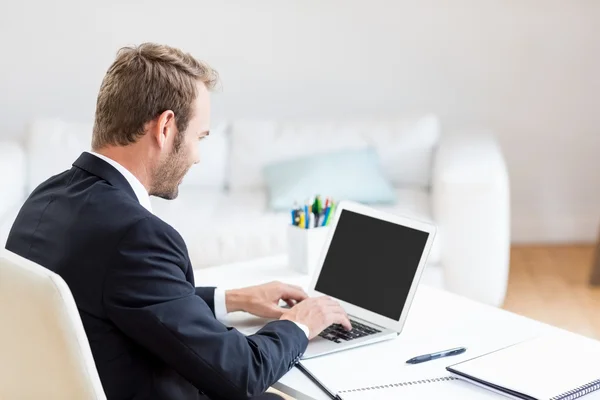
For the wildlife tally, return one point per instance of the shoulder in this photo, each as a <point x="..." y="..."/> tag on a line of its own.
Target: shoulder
<point x="158" y="237"/>
<point x="152" y="228"/>
<point x="128" y="219"/>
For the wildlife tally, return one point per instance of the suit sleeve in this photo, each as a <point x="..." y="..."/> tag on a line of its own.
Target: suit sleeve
<point x="148" y="298"/>
<point x="208" y="295"/>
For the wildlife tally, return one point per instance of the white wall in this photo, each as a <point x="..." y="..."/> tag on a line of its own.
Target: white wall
<point x="530" y="70"/>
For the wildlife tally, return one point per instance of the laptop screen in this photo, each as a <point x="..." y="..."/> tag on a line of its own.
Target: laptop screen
<point x="371" y="263"/>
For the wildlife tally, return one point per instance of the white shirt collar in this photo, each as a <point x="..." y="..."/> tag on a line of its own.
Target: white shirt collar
<point x="140" y="191"/>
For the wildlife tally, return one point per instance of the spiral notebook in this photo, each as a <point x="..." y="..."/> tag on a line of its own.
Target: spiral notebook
<point x="446" y="387"/>
<point x="395" y="385"/>
<point x="556" y="367"/>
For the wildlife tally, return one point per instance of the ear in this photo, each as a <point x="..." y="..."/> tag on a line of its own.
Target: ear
<point x="166" y="128"/>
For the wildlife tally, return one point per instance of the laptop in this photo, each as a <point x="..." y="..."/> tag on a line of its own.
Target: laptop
<point x="371" y="263"/>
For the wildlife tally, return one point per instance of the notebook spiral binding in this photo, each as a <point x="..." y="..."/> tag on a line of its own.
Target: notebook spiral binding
<point x="580" y="391"/>
<point x="408" y="383"/>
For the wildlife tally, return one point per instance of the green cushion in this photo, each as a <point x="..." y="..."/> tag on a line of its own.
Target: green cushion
<point x="353" y="175"/>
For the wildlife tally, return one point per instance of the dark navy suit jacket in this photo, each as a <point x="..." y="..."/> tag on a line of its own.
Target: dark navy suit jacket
<point x="153" y="334"/>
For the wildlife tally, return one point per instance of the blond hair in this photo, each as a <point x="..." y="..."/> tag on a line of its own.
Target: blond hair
<point x="142" y="83"/>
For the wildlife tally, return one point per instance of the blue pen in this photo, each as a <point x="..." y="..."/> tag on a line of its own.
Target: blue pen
<point x="326" y="217"/>
<point x="326" y="212"/>
<point x="439" y="354"/>
<point x="307" y="222"/>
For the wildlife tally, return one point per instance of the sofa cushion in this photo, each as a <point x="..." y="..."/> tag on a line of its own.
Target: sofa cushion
<point x="13" y="183"/>
<point x="404" y="145"/>
<point x="361" y="179"/>
<point x="222" y="228"/>
<point x="53" y="145"/>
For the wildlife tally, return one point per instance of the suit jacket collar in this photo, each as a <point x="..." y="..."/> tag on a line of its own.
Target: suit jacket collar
<point x="96" y="166"/>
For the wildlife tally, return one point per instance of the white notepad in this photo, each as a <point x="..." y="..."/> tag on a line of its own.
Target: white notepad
<point x="556" y="367"/>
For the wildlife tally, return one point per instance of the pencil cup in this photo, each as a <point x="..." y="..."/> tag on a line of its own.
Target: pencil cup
<point x="304" y="247"/>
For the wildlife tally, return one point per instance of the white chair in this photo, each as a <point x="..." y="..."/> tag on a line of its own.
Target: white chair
<point x="44" y="351"/>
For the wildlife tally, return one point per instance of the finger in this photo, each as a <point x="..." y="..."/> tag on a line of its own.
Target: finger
<point x="338" y="312"/>
<point x="335" y="309"/>
<point x="342" y="319"/>
<point x="290" y="292"/>
<point x="302" y="291"/>
<point x="290" y="303"/>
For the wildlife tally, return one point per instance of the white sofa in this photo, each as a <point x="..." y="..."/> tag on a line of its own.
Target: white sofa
<point x="457" y="180"/>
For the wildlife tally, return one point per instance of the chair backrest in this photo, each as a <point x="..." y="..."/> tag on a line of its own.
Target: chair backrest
<point x="44" y="351"/>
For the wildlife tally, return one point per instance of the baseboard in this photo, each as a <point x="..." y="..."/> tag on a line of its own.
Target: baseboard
<point x="567" y="229"/>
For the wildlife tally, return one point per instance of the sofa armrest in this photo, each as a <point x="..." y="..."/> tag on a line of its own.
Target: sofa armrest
<point x="13" y="172"/>
<point x="471" y="205"/>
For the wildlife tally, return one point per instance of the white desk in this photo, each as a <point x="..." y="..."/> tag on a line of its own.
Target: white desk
<point x="438" y="320"/>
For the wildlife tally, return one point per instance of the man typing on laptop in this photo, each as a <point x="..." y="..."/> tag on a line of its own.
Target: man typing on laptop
<point x="153" y="334"/>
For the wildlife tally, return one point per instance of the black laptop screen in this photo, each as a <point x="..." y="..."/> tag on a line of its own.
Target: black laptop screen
<point x="371" y="263"/>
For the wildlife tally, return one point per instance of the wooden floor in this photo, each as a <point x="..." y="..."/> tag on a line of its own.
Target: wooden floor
<point x="550" y="284"/>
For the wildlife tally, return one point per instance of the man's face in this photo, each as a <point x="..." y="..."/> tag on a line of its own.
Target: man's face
<point x="171" y="169"/>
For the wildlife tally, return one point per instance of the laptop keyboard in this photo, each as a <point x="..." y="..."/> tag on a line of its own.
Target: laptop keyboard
<point x="336" y="333"/>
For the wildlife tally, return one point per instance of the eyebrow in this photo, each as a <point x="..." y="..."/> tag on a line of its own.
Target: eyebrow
<point x="205" y="133"/>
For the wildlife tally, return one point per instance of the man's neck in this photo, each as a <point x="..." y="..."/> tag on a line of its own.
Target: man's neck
<point x="131" y="159"/>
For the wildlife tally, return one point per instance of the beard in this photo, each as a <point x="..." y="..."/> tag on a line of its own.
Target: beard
<point x="168" y="175"/>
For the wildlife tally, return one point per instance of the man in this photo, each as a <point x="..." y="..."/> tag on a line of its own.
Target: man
<point x="152" y="333"/>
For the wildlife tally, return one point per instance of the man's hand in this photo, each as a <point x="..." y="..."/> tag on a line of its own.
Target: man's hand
<point x="318" y="313"/>
<point x="263" y="300"/>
